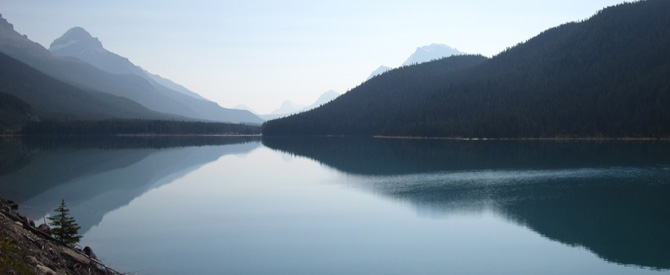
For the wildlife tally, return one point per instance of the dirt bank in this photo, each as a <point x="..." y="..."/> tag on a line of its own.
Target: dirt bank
<point x="25" y="249"/>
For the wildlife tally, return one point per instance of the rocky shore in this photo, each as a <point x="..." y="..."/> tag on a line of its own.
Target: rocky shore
<point x="26" y="249"/>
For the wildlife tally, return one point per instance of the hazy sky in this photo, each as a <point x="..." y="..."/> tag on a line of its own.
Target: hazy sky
<point x="260" y="53"/>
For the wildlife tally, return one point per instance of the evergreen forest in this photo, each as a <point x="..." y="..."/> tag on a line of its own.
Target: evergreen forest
<point x="607" y="77"/>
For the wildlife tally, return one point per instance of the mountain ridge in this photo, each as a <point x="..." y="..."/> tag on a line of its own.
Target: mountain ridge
<point x="169" y="96"/>
<point x="52" y="98"/>
<point x="87" y="77"/>
<point x="602" y="77"/>
<point x="421" y="55"/>
<point x="289" y="110"/>
<point x="77" y="42"/>
<point x="431" y="52"/>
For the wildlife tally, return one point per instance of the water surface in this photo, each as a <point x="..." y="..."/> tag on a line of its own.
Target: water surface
<point x="354" y="205"/>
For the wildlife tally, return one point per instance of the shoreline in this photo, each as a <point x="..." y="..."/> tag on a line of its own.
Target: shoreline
<point x="373" y="136"/>
<point x="530" y="139"/>
<point x="26" y="249"/>
<point x="141" y="135"/>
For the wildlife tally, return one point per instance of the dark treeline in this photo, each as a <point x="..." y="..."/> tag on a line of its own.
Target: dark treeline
<point x="135" y="127"/>
<point x="380" y="105"/>
<point x="603" y="77"/>
<point x="13" y="114"/>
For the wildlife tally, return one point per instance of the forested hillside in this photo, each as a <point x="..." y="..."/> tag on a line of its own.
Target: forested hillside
<point x="13" y="114"/>
<point x="47" y="97"/>
<point x="604" y="77"/>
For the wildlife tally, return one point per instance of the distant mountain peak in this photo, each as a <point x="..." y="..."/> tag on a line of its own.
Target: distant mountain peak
<point x="287" y="107"/>
<point x="76" y="36"/>
<point x="323" y="99"/>
<point x="382" y="69"/>
<point x="422" y="54"/>
<point x="431" y="52"/>
<point x="330" y="93"/>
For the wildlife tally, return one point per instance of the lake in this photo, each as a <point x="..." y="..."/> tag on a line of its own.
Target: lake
<point x="251" y="205"/>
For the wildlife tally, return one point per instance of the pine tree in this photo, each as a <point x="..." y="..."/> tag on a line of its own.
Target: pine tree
<point x="64" y="227"/>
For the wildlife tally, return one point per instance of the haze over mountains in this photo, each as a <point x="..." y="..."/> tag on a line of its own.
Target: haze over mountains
<point x="431" y="52"/>
<point x="287" y="108"/>
<point x="106" y="75"/>
<point x="603" y="77"/>
<point x="422" y="54"/>
<point x="77" y="42"/>
<point x="46" y="97"/>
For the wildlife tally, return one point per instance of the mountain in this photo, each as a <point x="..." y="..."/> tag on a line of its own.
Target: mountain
<point x="168" y="96"/>
<point x="323" y="99"/>
<point x="431" y="52"/>
<point x="244" y="107"/>
<point x="77" y="42"/>
<point x="382" y="69"/>
<point x="601" y="77"/>
<point x="37" y="95"/>
<point x="288" y="108"/>
<point x="173" y="86"/>
<point x="84" y="76"/>
<point x="422" y="54"/>
<point x="14" y="113"/>
<point x="377" y="106"/>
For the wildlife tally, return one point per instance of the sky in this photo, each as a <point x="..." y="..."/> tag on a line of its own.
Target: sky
<point x="261" y="53"/>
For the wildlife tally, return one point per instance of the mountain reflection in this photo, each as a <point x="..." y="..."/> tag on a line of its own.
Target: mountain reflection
<point x="98" y="175"/>
<point x="610" y="196"/>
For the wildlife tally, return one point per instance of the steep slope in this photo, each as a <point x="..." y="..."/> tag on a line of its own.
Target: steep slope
<point x="54" y="99"/>
<point x="77" y="42"/>
<point x="14" y="113"/>
<point x="379" y="105"/>
<point x="88" y="77"/>
<point x="173" y="86"/>
<point x="171" y="97"/>
<point x="603" y="77"/>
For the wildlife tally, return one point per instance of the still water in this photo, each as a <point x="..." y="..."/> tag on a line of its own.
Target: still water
<point x="246" y="205"/>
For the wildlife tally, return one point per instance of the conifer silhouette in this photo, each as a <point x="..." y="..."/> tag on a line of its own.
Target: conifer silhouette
<point x="65" y="228"/>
